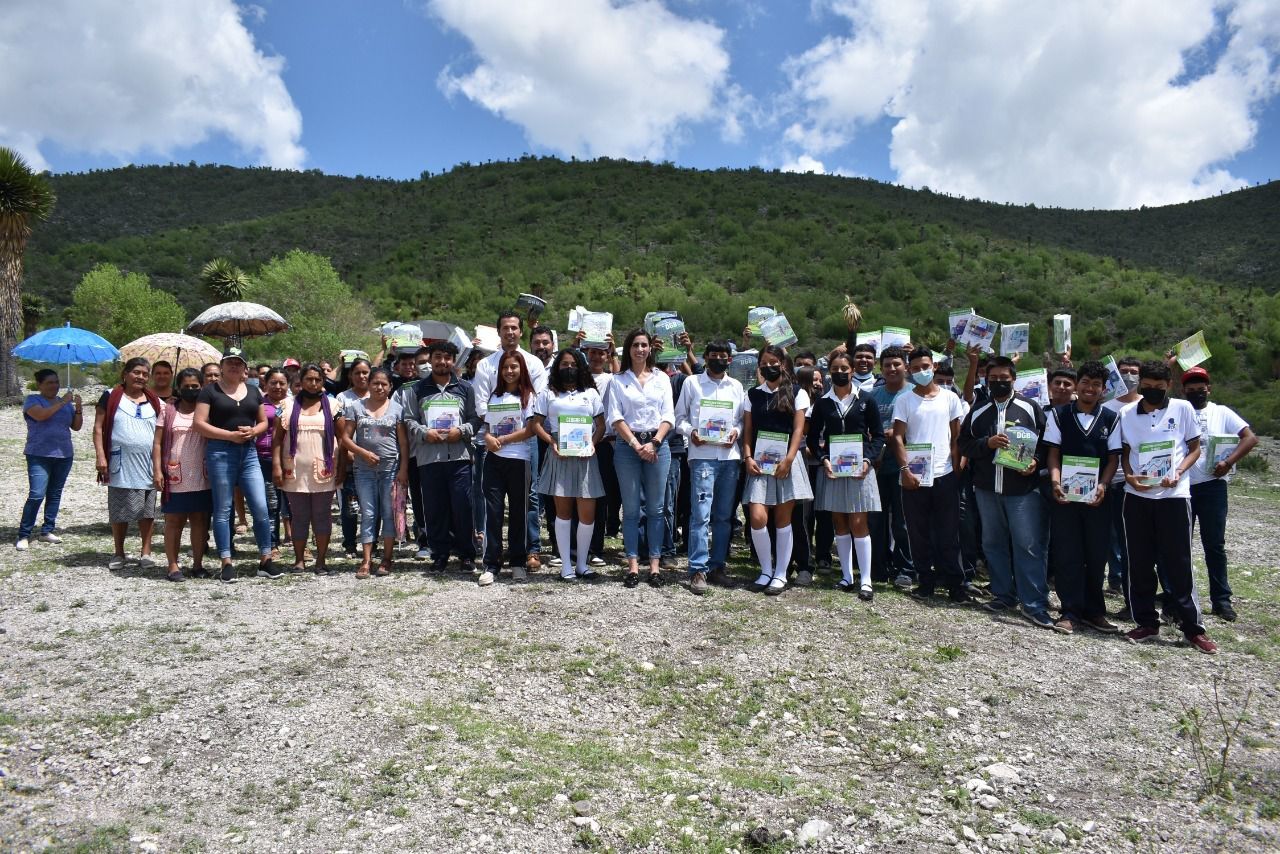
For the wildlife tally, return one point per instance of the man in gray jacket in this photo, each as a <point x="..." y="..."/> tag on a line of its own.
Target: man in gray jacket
<point x="440" y="415"/>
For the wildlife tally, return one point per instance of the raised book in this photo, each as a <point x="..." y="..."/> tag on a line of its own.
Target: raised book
<point x="770" y="450"/>
<point x="845" y="453"/>
<point x="758" y="314"/>
<point x="872" y="338"/>
<point x="957" y="320"/>
<point x="596" y="326"/>
<point x="666" y="331"/>
<point x="1021" y="450"/>
<point x="1014" y="338"/>
<point x="1193" y="351"/>
<point x="1155" y="461"/>
<point x="531" y="304"/>
<point x="894" y="336"/>
<point x="979" y="332"/>
<point x="1033" y="384"/>
<point x="777" y="331"/>
<point x="920" y="461"/>
<point x="1061" y="333"/>
<point x="715" y="421"/>
<point x="573" y="435"/>
<point x="1080" y="477"/>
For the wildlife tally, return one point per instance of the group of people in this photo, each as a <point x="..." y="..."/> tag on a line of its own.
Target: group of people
<point x="898" y="468"/>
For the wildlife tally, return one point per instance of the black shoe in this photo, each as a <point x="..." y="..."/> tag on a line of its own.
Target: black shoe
<point x="198" y="572"/>
<point x="922" y="593"/>
<point x="995" y="606"/>
<point x="961" y="596"/>
<point x="1225" y="612"/>
<point x="720" y="578"/>
<point x="439" y="565"/>
<point x="846" y="586"/>
<point x="976" y="593"/>
<point x="631" y="579"/>
<point x="228" y="574"/>
<point x="655" y="579"/>
<point x="866" y="594"/>
<point x="1124" y="615"/>
<point x="268" y="569"/>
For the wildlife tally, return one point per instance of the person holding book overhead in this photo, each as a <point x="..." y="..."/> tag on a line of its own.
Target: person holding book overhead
<point x="1161" y="444"/>
<point x="844" y="435"/>
<point x="1225" y="439"/>
<point x="569" y="417"/>
<point x="1082" y="439"/>
<point x="1000" y="437"/>
<point x="773" y="430"/>
<point x="709" y="414"/>
<point x="926" y="424"/>
<point x="505" y="434"/>
<point x="642" y="412"/>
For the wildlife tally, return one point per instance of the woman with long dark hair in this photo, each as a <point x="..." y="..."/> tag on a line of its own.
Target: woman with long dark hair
<point x="304" y="456"/>
<point x="50" y="419"/>
<point x="505" y="437"/>
<point x="373" y="432"/>
<point x="178" y="464"/>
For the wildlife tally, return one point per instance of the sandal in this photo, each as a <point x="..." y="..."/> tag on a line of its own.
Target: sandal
<point x="176" y="575"/>
<point x="383" y="570"/>
<point x="631" y="579"/>
<point x="362" y="573"/>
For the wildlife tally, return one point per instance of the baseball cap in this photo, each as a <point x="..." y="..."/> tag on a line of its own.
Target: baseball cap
<point x="233" y="353"/>
<point x="1195" y="375"/>
<point x="291" y="363"/>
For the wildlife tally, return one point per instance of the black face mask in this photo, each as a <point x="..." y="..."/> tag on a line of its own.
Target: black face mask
<point x="771" y="373"/>
<point x="1000" y="388"/>
<point x="1154" y="397"/>
<point x="189" y="394"/>
<point x="568" y="376"/>
<point x="309" y="395"/>
<point x="839" y="379"/>
<point x="717" y="366"/>
<point x="1198" y="399"/>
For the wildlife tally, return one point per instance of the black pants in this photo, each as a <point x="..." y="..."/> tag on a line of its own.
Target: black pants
<point x="505" y="480"/>
<point x="446" y="501"/>
<point x="415" y="500"/>
<point x="609" y="508"/>
<point x="891" y="544"/>
<point x="1158" y="530"/>
<point x="933" y="524"/>
<point x="1081" y="539"/>
<point x="970" y="526"/>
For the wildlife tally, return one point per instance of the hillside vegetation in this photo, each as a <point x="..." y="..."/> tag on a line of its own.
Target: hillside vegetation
<point x="629" y="237"/>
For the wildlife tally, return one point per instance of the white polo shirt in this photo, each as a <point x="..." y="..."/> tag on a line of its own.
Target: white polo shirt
<point x="1176" y="422"/>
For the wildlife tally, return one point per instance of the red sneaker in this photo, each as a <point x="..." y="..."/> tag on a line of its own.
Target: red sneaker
<point x="1202" y="643"/>
<point x="1142" y="634"/>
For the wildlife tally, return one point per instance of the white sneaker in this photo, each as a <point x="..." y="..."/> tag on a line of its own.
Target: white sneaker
<point x="485" y="579"/>
<point x="596" y="560"/>
<point x="22" y="545"/>
<point x="50" y="537"/>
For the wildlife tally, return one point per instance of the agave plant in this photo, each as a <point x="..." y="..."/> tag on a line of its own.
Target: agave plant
<point x="225" y="281"/>
<point x="24" y="196"/>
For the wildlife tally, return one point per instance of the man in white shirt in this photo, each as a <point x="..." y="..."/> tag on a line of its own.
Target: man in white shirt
<point x="1118" y="556"/>
<point x="711" y="406"/>
<point x="1160" y="440"/>
<point x="929" y="415"/>
<point x="1209" y="481"/>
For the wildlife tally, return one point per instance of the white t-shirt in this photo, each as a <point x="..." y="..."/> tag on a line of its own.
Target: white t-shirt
<point x="1214" y="420"/>
<point x="551" y="404"/>
<point x="486" y="377"/>
<point x="505" y="421"/>
<point x="928" y="419"/>
<point x="1118" y="408"/>
<point x="1176" y="422"/>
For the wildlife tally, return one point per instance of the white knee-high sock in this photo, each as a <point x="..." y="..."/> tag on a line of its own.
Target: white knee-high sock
<point x="780" y="565"/>
<point x="764" y="553"/>
<point x="564" y="534"/>
<point x="584" y="544"/>
<point x="844" y="548"/>
<point x="863" y="546"/>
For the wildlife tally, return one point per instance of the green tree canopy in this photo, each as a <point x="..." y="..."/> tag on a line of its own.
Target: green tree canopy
<point x="123" y="306"/>
<point x="326" y="317"/>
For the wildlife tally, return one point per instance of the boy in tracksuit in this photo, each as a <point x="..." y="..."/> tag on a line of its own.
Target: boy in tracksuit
<point x="443" y="455"/>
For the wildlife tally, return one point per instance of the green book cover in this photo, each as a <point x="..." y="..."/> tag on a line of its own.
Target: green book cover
<point x="573" y="435"/>
<point x="1218" y="448"/>
<point x="443" y="413"/>
<point x="770" y="450"/>
<point x="845" y="454"/>
<point x="1061" y="333"/>
<point x="756" y="315"/>
<point x="1193" y="351"/>
<point x="1022" y="448"/>
<point x="1080" y="477"/>
<point x="777" y="331"/>
<point x="920" y="461"/>
<point x="666" y="330"/>
<point x="504" y="418"/>
<point x="894" y="336"/>
<point x="1155" y="461"/>
<point x="714" y="418"/>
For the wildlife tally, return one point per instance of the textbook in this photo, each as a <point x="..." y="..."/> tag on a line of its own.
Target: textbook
<point x="979" y="332"/>
<point x="1033" y="384"/>
<point x="488" y="338"/>
<point x="443" y="412"/>
<point x="666" y="330"/>
<point x="1021" y="450"/>
<point x="758" y="314"/>
<point x="533" y="305"/>
<point x="920" y="462"/>
<point x="894" y="336"/>
<point x="651" y="319"/>
<point x="1155" y="460"/>
<point x="1014" y="338"/>
<point x="845" y="453"/>
<point x="770" y="449"/>
<point x="573" y="435"/>
<point x="1217" y="448"/>
<point x="595" y="326"/>
<point x="1192" y="351"/>
<point x="957" y="320"/>
<point x="1115" y="383"/>
<point x="714" y="421"/>
<point x="1080" y="478"/>
<point x="1061" y="333"/>
<point x="743" y="368"/>
<point x="504" y="419"/>
<point x="872" y="338"/>
<point x="777" y="331"/>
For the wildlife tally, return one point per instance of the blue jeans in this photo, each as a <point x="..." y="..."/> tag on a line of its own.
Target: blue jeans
<point x="711" y="489"/>
<point x="46" y="477"/>
<point x="1209" y="508"/>
<point x="533" y="514"/>
<point x="642" y="483"/>
<point x="230" y="465"/>
<point x="373" y="490"/>
<point x="1012" y="541"/>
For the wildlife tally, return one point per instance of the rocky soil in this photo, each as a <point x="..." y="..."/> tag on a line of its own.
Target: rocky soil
<point x="418" y="713"/>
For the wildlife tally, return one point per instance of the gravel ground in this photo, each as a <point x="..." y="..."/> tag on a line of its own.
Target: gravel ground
<point x="425" y="713"/>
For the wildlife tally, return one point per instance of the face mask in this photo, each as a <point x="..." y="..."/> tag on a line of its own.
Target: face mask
<point x="568" y="376"/>
<point x="717" y="366"/>
<point x="1000" y="388"/>
<point x="1153" y="396"/>
<point x="922" y="378"/>
<point x="189" y="394"/>
<point x="771" y="373"/>
<point x="839" y="379"/>
<point x="1130" y="381"/>
<point x="424" y="371"/>
<point x="309" y="395"/>
<point x="252" y="381"/>
<point x="1198" y="399"/>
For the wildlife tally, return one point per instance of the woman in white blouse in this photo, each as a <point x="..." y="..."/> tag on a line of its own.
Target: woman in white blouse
<point x="641" y="412"/>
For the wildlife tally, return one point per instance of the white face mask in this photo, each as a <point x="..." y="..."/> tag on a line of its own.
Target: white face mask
<point x="922" y="378"/>
<point x="424" y="371"/>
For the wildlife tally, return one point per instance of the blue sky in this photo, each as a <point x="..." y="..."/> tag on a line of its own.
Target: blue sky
<point x="1088" y="104"/>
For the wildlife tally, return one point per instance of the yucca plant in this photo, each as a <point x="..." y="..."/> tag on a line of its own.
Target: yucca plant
<point x="225" y="281"/>
<point x="24" y="196"/>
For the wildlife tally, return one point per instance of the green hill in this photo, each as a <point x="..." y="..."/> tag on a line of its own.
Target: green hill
<point x="629" y="237"/>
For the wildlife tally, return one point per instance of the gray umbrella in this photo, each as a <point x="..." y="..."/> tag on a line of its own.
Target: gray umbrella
<point x="236" y="320"/>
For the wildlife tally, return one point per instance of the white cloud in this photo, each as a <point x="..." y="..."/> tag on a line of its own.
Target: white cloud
<point x="147" y="76"/>
<point x="804" y="163"/>
<point x="1085" y="104"/>
<point x="591" y="77"/>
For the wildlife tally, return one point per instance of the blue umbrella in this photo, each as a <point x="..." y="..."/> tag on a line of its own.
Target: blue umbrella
<point x="66" y="345"/>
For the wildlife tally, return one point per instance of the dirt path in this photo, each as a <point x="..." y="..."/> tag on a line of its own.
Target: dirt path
<point x="414" y="713"/>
